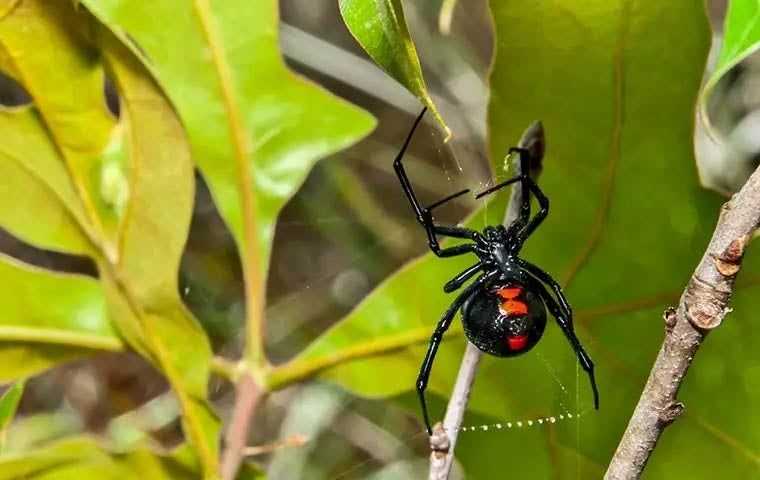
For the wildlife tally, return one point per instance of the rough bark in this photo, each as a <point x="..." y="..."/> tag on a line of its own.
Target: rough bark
<point x="703" y="306"/>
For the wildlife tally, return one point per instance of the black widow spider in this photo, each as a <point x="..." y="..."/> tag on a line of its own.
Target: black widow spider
<point x="503" y="310"/>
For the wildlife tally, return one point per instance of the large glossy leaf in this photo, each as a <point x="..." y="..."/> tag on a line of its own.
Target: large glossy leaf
<point x="741" y="38"/>
<point x="380" y="28"/>
<point x="123" y="190"/>
<point x="254" y="127"/>
<point x="628" y="224"/>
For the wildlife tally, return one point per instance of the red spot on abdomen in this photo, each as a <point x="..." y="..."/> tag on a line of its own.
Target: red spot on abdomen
<point x="508" y="293"/>
<point x="517" y="343"/>
<point x="511" y="305"/>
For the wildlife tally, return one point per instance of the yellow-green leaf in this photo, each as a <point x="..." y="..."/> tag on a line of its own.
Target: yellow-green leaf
<point x="161" y="198"/>
<point x="128" y="187"/>
<point x="49" y="318"/>
<point x="82" y="457"/>
<point x="34" y="180"/>
<point x="34" y="36"/>
<point x="255" y="128"/>
<point x="8" y="405"/>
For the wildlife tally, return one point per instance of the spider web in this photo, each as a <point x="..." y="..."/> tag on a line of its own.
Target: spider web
<point x="567" y="412"/>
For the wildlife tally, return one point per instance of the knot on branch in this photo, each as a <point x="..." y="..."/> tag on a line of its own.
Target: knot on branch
<point x="705" y="304"/>
<point x="439" y="441"/>
<point x="729" y="262"/>
<point x="670" y="318"/>
<point x="671" y="413"/>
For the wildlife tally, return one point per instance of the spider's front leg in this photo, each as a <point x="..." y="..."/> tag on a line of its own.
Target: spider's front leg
<point x="564" y="317"/>
<point x="525" y="224"/>
<point x="424" y="214"/>
<point x="435" y="341"/>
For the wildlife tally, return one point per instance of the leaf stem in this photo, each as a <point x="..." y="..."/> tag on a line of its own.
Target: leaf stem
<point x="228" y="369"/>
<point x="61" y="337"/>
<point x="254" y="288"/>
<point x="287" y="373"/>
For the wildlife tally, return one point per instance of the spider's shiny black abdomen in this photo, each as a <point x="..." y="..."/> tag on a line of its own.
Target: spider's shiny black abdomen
<point x="504" y="319"/>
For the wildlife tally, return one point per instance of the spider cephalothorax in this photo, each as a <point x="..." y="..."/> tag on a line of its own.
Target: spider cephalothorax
<point x="504" y="309"/>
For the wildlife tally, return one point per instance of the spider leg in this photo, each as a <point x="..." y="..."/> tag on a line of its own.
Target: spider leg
<point x="424" y="215"/>
<point x="498" y="186"/>
<point x="524" y="221"/>
<point x="547" y="279"/>
<point x="524" y="192"/>
<point x="462" y="277"/>
<point x="565" y="321"/>
<point x="435" y="340"/>
<point x="543" y="210"/>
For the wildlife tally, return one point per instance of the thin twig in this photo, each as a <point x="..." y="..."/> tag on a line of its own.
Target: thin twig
<point x="446" y="15"/>
<point x="702" y="307"/>
<point x="247" y="396"/>
<point x="297" y="440"/>
<point x="444" y="437"/>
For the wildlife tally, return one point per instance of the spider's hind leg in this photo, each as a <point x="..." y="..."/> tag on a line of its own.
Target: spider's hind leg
<point x="435" y="341"/>
<point x="456" y="282"/>
<point x="564" y="318"/>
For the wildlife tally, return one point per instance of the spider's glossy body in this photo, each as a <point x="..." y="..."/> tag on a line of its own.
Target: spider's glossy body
<point x="504" y="319"/>
<point x="503" y="309"/>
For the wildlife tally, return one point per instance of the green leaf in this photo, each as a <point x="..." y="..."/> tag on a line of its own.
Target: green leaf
<point x="255" y="128"/>
<point x="49" y="318"/>
<point x="82" y="457"/>
<point x="124" y="191"/>
<point x="37" y="181"/>
<point x="380" y="28"/>
<point x="69" y="97"/>
<point x="741" y="38"/>
<point x="147" y="276"/>
<point x="8" y="405"/>
<point x="628" y="223"/>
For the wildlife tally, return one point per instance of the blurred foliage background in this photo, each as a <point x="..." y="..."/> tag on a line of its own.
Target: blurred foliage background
<point x="611" y="80"/>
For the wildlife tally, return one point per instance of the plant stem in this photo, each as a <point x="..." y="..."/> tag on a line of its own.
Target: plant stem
<point x="247" y="397"/>
<point x="444" y="436"/>
<point x="446" y="15"/>
<point x="702" y="307"/>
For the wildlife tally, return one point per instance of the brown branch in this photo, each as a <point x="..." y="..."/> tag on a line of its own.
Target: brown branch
<point x="444" y="437"/>
<point x="247" y="396"/>
<point x="702" y="308"/>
